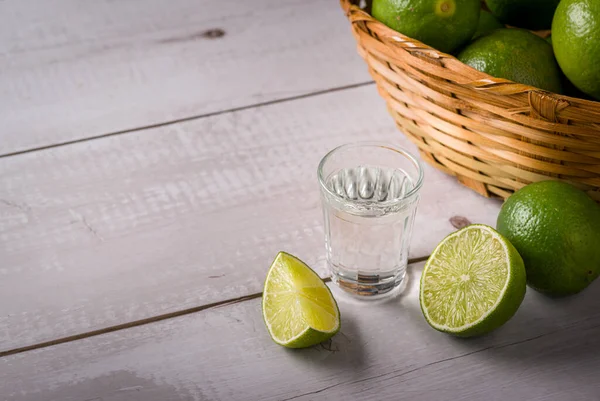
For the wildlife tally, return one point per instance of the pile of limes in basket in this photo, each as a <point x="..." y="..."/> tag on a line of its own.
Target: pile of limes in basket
<point x="510" y="38"/>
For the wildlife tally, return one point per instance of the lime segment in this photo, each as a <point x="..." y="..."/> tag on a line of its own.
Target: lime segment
<point x="473" y="282"/>
<point x="298" y="308"/>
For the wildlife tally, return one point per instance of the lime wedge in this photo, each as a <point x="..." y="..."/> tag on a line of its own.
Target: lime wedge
<point x="298" y="307"/>
<point x="473" y="282"/>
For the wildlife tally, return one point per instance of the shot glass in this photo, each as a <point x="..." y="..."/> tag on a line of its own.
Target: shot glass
<point x="369" y="193"/>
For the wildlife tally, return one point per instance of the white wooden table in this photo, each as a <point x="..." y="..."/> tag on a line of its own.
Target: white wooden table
<point x="154" y="158"/>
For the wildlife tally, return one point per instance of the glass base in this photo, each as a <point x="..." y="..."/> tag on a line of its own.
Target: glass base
<point x="369" y="287"/>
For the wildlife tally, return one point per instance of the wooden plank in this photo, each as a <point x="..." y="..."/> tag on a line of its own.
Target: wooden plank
<point x="72" y="69"/>
<point x="383" y="352"/>
<point x="123" y="228"/>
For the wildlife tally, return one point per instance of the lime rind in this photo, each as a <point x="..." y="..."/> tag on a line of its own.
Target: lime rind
<point x="302" y="333"/>
<point x="507" y="301"/>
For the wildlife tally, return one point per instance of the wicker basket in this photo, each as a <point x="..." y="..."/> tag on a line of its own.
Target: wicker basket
<point x="494" y="135"/>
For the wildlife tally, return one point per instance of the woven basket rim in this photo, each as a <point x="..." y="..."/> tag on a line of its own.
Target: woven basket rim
<point x="494" y="135"/>
<point x="483" y="82"/>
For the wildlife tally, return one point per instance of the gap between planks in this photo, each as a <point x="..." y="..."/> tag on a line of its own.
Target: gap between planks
<point x="153" y="319"/>
<point x="191" y="118"/>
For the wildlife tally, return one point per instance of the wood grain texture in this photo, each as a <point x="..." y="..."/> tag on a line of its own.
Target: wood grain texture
<point x="383" y="352"/>
<point x="71" y="69"/>
<point x="117" y="229"/>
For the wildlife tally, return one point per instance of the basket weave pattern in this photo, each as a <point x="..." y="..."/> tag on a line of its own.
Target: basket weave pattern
<point x="494" y="135"/>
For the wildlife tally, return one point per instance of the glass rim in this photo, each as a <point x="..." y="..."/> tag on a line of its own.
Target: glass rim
<point x="385" y="145"/>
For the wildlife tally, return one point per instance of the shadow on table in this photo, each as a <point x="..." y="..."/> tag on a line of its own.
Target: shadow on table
<point x="344" y="350"/>
<point x="547" y="330"/>
<point x="347" y="349"/>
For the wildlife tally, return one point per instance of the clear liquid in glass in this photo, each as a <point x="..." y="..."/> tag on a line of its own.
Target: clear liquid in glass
<point x="368" y="224"/>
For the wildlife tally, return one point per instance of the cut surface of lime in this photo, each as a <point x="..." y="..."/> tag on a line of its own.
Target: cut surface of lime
<point x="473" y="282"/>
<point x="298" y="308"/>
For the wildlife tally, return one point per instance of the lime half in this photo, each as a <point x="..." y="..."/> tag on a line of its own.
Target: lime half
<point x="473" y="282"/>
<point x="298" y="307"/>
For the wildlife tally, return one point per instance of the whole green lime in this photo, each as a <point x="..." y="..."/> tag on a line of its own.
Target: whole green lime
<point x="487" y="24"/>
<point x="556" y="230"/>
<point x="517" y="55"/>
<point x="576" y="42"/>
<point x="530" y="14"/>
<point x="442" y="24"/>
